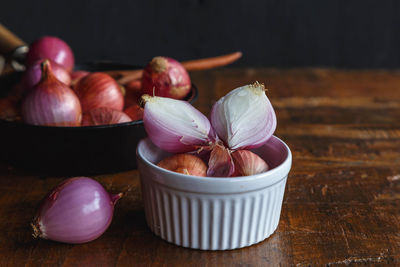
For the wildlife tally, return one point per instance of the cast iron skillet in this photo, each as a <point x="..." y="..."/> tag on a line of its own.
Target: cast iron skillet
<point x="72" y="150"/>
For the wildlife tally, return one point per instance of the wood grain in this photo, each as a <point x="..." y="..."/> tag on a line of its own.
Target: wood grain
<point x="341" y="205"/>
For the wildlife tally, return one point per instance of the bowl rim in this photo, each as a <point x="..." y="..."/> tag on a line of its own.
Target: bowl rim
<point x="260" y="180"/>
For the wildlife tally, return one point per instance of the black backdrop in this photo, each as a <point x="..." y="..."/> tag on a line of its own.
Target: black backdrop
<point x="271" y="33"/>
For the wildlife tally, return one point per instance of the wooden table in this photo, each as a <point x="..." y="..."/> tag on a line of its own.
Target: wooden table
<point x="342" y="200"/>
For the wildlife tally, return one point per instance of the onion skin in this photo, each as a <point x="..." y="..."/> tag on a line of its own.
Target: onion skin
<point x="51" y="102"/>
<point x="99" y="90"/>
<point x="166" y="77"/>
<point x="175" y="125"/>
<point x="248" y="163"/>
<point x="132" y="100"/>
<point x="220" y="163"/>
<point x="135" y="85"/>
<point x="133" y="92"/>
<point x="52" y="48"/>
<point x="184" y="163"/>
<point x="244" y="118"/>
<point x="104" y="116"/>
<point x="76" y="211"/>
<point x="33" y="74"/>
<point x="76" y="76"/>
<point x="17" y="92"/>
<point x="135" y="112"/>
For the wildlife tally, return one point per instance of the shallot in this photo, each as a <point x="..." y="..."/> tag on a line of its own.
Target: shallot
<point x="184" y="163"/>
<point x="135" y="112"/>
<point x="78" y="210"/>
<point x="104" y="116"/>
<point x="53" y="48"/>
<point x="51" y="102"/>
<point x="166" y="77"/>
<point x="248" y="163"/>
<point x="76" y="76"/>
<point x="220" y="163"/>
<point x="33" y="74"/>
<point x="175" y="125"/>
<point x="99" y="90"/>
<point x="243" y="119"/>
<point x="133" y="93"/>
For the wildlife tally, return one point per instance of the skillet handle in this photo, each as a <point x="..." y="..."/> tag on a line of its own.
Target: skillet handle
<point x="9" y="42"/>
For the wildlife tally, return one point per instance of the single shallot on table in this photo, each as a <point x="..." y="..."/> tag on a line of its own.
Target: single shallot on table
<point x="78" y="210"/>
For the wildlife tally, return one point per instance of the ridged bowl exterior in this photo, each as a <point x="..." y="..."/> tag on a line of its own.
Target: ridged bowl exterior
<point x="213" y="213"/>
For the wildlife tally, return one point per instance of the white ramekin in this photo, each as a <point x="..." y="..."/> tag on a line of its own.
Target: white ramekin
<point x="213" y="213"/>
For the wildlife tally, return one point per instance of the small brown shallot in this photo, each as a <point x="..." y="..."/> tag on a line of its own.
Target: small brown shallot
<point x="248" y="163"/>
<point x="184" y="163"/>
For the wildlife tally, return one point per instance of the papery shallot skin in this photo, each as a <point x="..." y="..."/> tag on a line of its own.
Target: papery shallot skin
<point x="78" y="210"/>
<point x="51" y="102"/>
<point x="53" y="48"/>
<point x="244" y="118"/>
<point x="76" y="76"/>
<point x="175" y="125"/>
<point x="184" y="163"/>
<point x="248" y="163"/>
<point x="33" y="74"/>
<point x="104" y="116"/>
<point x="135" y="112"/>
<point x="166" y="77"/>
<point x="99" y="90"/>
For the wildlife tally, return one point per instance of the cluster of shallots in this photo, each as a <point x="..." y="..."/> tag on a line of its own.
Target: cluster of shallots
<point x="50" y="93"/>
<point x="242" y="120"/>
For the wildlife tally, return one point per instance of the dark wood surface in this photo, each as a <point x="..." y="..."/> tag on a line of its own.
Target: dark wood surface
<point x="342" y="200"/>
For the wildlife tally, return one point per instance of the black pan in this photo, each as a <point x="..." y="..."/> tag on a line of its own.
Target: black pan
<point x="72" y="150"/>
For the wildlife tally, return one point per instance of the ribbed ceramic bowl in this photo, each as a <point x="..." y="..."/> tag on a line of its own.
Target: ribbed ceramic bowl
<point x="213" y="213"/>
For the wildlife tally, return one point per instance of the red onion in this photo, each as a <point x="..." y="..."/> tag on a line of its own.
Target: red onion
<point x="76" y="76"/>
<point x="76" y="211"/>
<point x="135" y="85"/>
<point x="51" y="102"/>
<point x="244" y="118"/>
<point x="104" y="116"/>
<point x="166" y="77"/>
<point x="175" y="125"/>
<point x="248" y="163"/>
<point x="99" y="90"/>
<point x="51" y="48"/>
<point x="220" y="163"/>
<point x="184" y="163"/>
<point x="132" y="99"/>
<point x="135" y="112"/>
<point x="133" y="92"/>
<point x="33" y="74"/>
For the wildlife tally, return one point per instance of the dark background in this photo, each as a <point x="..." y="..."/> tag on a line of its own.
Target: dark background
<point x="271" y="33"/>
